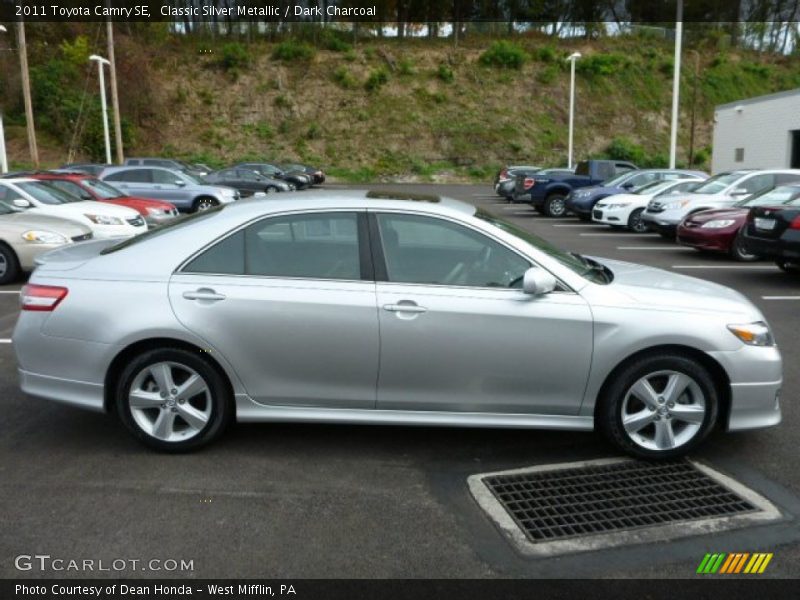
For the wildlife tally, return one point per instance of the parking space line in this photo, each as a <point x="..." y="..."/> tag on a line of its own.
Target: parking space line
<point x="780" y="297"/>
<point x="621" y="233"/>
<point x="680" y="248"/>
<point x="593" y="225"/>
<point x="5" y="340"/>
<point x="10" y="291"/>
<point x="732" y="267"/>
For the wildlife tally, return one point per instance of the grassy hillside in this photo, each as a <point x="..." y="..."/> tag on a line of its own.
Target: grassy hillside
<point x="412" y="110"/>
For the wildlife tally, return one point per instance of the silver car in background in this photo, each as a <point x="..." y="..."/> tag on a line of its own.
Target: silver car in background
<point x="362" y="307"/>
<point x="185" y="191"/>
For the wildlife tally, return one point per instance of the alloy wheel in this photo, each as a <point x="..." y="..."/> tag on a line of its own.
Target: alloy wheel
<point x="170" y="401"/>
<point x="663" y="410"/>
<point x="637" y="225"/>
<point x="205" y="204"/>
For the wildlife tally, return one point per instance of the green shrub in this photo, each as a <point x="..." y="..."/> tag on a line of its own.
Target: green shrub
<point x="445" y="73"/>
<point x="377" y="78"/>
<point x="405" y="66"/>
<point x="545" y="54"/>
<point x="601" y="64"/>
<point x="234" y="57"/>
<point x="334" y="43"/>
<point x="291" y="50"/>
<point x="622" y="148"/>
<point x="547" y="75"/>
<point x="344" y="78"/>
<point x="504" y="54"/>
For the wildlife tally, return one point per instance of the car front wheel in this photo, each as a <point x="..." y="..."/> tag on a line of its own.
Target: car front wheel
<point x="635" y="222"/>
<point x="173" y="400"/>
<point x="9" y="266"/>
<point x="555" y="205"/>
<point x="204" y="203"/>
<point x="659" y="407"/>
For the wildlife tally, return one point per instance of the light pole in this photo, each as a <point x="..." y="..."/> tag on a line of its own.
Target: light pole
<point x="3" y="157"/>
<point x="100" y="62"/>
<point x="676" y="85"/>
<point x="571" y="58"/>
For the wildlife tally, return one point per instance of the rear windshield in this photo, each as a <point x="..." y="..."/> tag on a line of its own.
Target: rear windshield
<point x="165" y="228"/>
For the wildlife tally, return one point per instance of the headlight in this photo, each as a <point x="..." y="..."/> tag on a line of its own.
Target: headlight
<point x="157" y="212"/>
<point x="104" y="219"/>
<point x="618" y="205"/>
<point x="717" y="224"/>
<point x="675" y="204"/>
<point x="753" y="334"/>
<point x="43" y="237"/>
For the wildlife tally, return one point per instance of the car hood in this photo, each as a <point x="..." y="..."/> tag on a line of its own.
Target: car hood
<point x="137" y="203"/>
<point x="660" y="289"/>
<point x="24" y="221"/>
<point x="613" y="198"/>
<point x="736" y="213"/>
<point x="90" y="207"/>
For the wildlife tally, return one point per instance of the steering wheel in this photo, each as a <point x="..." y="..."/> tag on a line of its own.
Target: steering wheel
<point x="454" y="273"/>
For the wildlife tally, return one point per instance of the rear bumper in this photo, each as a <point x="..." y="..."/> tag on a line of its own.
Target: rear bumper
<point x="82" y="394"/>
<point x="774" y="248"/>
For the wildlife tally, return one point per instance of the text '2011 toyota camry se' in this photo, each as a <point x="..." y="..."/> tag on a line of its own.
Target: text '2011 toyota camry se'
<point x="366" y="307"/>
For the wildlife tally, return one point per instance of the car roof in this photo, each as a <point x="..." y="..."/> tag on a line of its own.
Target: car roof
<point x="136" y="167"/>
<point x="353" y="199"/>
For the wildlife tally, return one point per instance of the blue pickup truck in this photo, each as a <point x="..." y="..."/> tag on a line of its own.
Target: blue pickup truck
<point x="548" y="194"/>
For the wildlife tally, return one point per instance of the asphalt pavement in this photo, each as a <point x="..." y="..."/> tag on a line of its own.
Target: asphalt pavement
<point x="291" y="501"/>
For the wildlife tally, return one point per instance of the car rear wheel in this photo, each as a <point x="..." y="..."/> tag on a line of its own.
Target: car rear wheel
<point x="173" y="400"/>
<point x="738" y="250"/>
<point x="204" y="203"/>
<point x="555" y="205"/>
<point x="9" y="265"/>
<point x="635" y="222"/>
<point x="659" y="406"/>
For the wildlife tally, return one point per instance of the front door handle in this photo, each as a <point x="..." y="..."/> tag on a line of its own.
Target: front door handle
<point x="407" y="308"/>
<point x="204" y="294"/>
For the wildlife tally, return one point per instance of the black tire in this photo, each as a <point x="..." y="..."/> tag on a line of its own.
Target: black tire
<point x="608" y="416"/>
<point x="9" y="265"/>
<point x="555" y="205"/>
<point x="635" y="222"/>
<point x="738" y="251"/>
<point x="204" y="203"/>
<point x="271" y="189"/>
<point x="218" y="403"/>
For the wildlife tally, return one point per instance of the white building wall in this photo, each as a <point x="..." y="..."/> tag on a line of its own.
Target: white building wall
<point x="761" y="126"/>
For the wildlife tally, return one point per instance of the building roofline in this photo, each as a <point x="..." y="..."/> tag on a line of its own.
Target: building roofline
<point x="746" y="101"/>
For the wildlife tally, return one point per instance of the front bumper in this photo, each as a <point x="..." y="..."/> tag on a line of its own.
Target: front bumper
<point x="716" y="240"/>
<point x="661" y="224"/>
<point x="610" y="216"/>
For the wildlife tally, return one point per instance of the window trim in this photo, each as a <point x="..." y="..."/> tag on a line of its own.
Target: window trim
<point x="363" y="248"/>
<point x="380" y="260"/>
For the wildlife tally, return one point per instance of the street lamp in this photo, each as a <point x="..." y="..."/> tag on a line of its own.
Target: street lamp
<point x="100" y="62"/>
<point x="676" y="84"/>
<point x="3" y="157"/>
<point x="571" y="58"/>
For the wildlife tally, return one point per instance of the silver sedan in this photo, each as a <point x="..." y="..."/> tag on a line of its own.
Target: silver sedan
<point x="370" y="308"/>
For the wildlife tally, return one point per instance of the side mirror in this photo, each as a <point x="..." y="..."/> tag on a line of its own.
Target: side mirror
<point x="628" y="185"/>
<point x="21" y="203"/>
<point x="538" y="282"/>
<point x="180" y="182"/>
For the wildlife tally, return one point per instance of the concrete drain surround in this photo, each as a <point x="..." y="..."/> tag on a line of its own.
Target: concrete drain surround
<point x="577" y="507"/>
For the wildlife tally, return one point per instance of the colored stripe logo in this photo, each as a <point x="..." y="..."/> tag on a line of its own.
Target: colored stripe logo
<point x="734" y="563"/>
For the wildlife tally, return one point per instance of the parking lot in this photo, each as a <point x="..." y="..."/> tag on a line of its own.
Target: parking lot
<point x="347" y="501"/>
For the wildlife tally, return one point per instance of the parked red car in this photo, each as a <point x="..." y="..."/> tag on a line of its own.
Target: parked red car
<point x="721" y="229"/>
<point x="88" y="187"/>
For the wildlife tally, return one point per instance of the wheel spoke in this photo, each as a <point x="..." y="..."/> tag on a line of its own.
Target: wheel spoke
<point x="164" y="425"/>
<point x="690" y="413"/>
<point x="162" y="373"/>
<point x="143" y="399"/>
<point x="645" y="392"/>
<point x="638" y="421"/>
<point x="192" y="416"/>
<point x="676" y="385"/>
<point x="191" y="387"/>
<point x="665" y="438"/>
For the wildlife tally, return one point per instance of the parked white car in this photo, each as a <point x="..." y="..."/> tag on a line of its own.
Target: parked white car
<point x="720" y="191"/>
<point x="105" y="220"/>
<point x="625" y="210"/>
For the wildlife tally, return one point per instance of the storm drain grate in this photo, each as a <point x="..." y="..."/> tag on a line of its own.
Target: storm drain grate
<point x="563" y="503"/>
<point x="601" y="499"/>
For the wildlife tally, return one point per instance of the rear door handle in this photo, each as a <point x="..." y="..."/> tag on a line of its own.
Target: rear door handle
<point x="204" y="294"/>
<point x="408" y="308"/>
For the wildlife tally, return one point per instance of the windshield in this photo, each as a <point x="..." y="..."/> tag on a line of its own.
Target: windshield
<point x="654" y="187"/>
<point x="170" y="225"/>
<point x="584" y="267"/>
<point x="7" y="209"/>
<point x="779" y="195"/>
<point x="47" y="194"/>
<point x="617" y="179"/>
<point x="717" y="183"/>
<point x="102" y="189"/>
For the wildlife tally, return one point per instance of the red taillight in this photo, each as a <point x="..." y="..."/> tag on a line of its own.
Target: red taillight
<point x="41" y="297"/>
<point x="795" y="224"/>
<point x="528" y="183"/>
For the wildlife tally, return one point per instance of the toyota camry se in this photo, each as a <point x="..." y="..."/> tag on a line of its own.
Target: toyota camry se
<point x="372" y="307"/>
